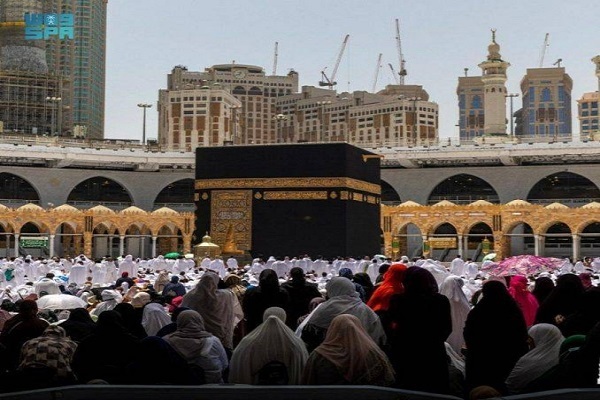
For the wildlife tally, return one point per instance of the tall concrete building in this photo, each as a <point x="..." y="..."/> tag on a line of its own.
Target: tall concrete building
<point x="30" y="94"/>
<point x="471" y="99"/>
<point x="197" y="115"/>
<point x="256" y="91"/>
<point x="83" y="61"/>
<point x="399" y="115"/>
<point x="547" y="103"/>
<point x="588" y="109"/>
<point x="482" y="99"/>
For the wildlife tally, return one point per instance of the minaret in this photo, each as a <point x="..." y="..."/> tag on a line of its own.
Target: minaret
<point x="596" y="60"/>
<point x="494" y="79"/>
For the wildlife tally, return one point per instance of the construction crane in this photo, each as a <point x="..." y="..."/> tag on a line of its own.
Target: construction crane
<point x="394" y="74"/>
<point x="275" y="59"/>
<point x="330" y="81"/>
<point x="544" y="48"/>
<point x="402" y="73"/>
<point x="557" y="63"/>
<point x="377" y="72"/>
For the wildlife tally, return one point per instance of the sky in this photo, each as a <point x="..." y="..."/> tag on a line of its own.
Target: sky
<point x="147" y="38"/>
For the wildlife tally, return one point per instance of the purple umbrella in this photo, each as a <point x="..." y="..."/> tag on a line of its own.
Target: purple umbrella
<point x="523" y="265"/>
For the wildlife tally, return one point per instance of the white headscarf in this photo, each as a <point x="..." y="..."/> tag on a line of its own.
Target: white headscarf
<point x="216" y="306"/>
<point x="110" y="299"/>
<point x="270" y="341"/>
<point x="547" y="340"/>
<point x="154" y="317"/>
<point x="459" y="307"/>
<point x="343" y="299"/>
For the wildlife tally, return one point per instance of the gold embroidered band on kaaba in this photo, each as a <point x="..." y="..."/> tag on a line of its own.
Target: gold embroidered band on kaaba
<point x="279" y="183"/>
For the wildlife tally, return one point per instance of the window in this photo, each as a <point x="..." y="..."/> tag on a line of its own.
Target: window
<point x="546" y="95"/>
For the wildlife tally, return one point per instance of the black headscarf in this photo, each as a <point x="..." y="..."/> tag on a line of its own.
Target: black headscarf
<point x="105" y="353"/>
<point x="419" y="282"/>
<point x="543" y="286"/>
<point x="154" y="351"/>
<point x="79" y="325"/>
<point x="565" y="299"/>
<point x="268" y="281"/>
<point x="130" y="320"/>
<point x="495" y="336"/>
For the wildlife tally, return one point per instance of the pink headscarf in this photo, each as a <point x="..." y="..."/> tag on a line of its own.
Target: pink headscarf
<point x="526" y="300"/>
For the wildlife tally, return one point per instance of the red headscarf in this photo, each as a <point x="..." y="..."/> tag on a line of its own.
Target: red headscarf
<point x="392" y="284"/>
<point x="526" y="300"/>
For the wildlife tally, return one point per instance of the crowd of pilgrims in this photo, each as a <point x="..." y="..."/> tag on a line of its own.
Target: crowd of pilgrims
<point x="412" y="325"/>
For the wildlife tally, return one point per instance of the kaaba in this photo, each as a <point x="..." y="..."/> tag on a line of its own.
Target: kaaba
<point x="290" y="200"/>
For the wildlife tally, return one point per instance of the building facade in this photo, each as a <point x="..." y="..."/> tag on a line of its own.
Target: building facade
<point x="83" y="62"/>
<point x="257" y="93"/>
<point x="587" y="109"/>
<point x="194" y="115"/>
<point x="400" y="115"/>
<point x="588" y="115"/>
<point x="482" y="99"/>
<point x="471" y="100"/>
<point x="546" y="108"/>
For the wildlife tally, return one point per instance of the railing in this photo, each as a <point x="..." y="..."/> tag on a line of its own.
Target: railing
<point x="105" y="392"/>
<point x="567" y="202"/>
<point x="463" y="199"/>
<point x="182" y="207"/>
<point x="15" y="203"/>
<point x="113" y="205"/>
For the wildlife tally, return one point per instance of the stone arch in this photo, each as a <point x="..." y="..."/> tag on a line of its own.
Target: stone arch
<point x="518" y="238"/>
<point x="33" y="228"/>
<point x="410" y="240"/>
<point x="68" y="239"/>
<point x="389" y="195"/>
<point x="463" y="189"/>
<point x="558" y="240"/>
<point x="100" y="190"/>
<point x="564" y="187"/>
<point x="443" y="228"/>
<point x="447" y="230"/>
<point x="14" y="187"/>
<point x="169" y="238"/>
<point x="138" y="240"/>
<point x="6" y="239"/>
<point x="474" y="238"/>
<point x="178" y="192"/>
<point x="105" y="240"/>
<point x="590" y="238"/>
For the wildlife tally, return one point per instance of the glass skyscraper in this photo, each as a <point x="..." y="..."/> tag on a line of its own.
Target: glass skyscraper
<point x="83" y="62"/>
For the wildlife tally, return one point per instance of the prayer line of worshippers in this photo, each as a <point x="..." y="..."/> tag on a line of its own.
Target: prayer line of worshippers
<point x="413" y="325"/>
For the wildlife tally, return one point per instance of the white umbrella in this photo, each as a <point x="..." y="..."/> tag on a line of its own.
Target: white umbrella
<point x="60" y="302"/>
<point x="489" y="257"/>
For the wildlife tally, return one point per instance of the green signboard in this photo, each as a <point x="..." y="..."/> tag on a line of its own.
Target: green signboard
<point x="33" y="242"/>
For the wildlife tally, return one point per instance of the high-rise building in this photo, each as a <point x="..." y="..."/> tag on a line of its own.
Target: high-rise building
<point x="83" y="61"/>
<point x="547" y="103"/>
<point x="256" y="91"/>
<point x="399" y="115"/>
<point x="482" y="99"/>
<point x="195" y="115"/>
<point x="470" y="104"/>
<point x="588" y="115"/>
<point x="588" y="109"/>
